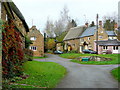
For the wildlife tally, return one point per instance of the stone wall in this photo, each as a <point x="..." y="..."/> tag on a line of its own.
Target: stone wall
<point x="39" y="42"/>
<point x="74" y="43"/>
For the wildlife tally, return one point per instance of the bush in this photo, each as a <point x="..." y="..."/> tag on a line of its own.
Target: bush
<point x="12" y="52"/>
<point x="108" y="52"/>
<point x="28" y="55"/>
<point x="73" y="51"/>
<point x="5" y="84"/>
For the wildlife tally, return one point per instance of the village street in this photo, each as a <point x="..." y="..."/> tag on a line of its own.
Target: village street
<point x="84" y="76"/>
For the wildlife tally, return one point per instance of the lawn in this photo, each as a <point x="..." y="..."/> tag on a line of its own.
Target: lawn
<point x="41" y="75"/>
<point x="115" y="58"/>
<point x="35" y="57"/>
<point x="116" y="73"/>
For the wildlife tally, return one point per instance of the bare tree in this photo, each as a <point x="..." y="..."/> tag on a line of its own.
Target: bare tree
<point x="112" y="17"/>
<point x="71" y="24"/>
<point x="49" y="29"/>
<point x="109" y="21"/>
<point x="62" y="22"/>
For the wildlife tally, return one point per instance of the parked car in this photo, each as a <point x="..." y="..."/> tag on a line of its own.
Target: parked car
<point x="58" y="52"/>
<point x="89" y="51"/>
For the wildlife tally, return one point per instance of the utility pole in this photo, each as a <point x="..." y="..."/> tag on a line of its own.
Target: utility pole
<point x="97" y="33"/>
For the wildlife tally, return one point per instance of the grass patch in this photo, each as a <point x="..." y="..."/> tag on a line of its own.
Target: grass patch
<point x="116" y="73"/>
<point x="34" y="57"/>
<point x="42" y="74"/>
<point x="115" y="58"/>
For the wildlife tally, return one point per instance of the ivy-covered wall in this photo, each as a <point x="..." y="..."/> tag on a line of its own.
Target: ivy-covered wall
<point x="12" y="52"/>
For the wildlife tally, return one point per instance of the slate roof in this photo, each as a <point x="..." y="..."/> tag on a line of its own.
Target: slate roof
<point x="108" y="42"/>
<point x="89" y="32"/>
<point x="74" y="33"/>
<point x="111" y="33"/>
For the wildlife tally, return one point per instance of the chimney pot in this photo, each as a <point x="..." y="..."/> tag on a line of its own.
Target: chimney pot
<point x="100" y="23"/>
<point x="86" y="24"/>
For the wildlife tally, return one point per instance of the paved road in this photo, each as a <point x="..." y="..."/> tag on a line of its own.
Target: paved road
<point x="84" y="76"/>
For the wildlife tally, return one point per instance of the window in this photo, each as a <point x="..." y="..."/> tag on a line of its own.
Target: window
<point x="34" y="48"/>
<point x="101" y="31"/>
<point x="115" y="47"/>
<point x="100" y="37"/>
<point x="88" y="38"/>
<point x="6" y="17"/>
<point x="82" y="40"/>
<point x="33" y="38"/>
<point x="105" y="47"/>
<point x="74" y="45"/>
<point x="114" y="37"/>
<point x="111" y="38"/>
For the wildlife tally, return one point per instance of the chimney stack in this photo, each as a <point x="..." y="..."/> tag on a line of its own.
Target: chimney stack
<point x="86" y="24"/>
<point x="100" y="23"/>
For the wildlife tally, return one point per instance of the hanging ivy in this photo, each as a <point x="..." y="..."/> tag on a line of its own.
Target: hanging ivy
<point x="12" y="53"/>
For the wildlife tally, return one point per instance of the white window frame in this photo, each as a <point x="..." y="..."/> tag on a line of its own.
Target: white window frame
<point x="33" y="38"/>
<point x="110" y="37"/>
<point x="88" y="38"/>
<point x="114" y="37"/>
<point x="115" y="47"/>
<point x="101" y="31"/>
<point x="34" y="48"/>
<point x="105" y="47"/>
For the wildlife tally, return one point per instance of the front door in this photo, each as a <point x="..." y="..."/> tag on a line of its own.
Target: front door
<point x="86" y="46"/>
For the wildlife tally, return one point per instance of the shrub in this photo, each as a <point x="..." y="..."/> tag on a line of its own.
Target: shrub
<point x="28" y="54"/>
<point x="108" y="52"/>
<point x="73" y="51"/>
<point x="27" y="42"/>
<point x="12" y="52"/>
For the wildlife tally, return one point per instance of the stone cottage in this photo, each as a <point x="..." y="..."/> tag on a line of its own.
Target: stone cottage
<point x="80" y="39"/>
<point x="71" y="40"/>
<point x="37" y="42"/>
<point x="88" y="37"/>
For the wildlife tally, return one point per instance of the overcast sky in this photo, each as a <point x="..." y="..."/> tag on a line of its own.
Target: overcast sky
<point x="80" y="10"/>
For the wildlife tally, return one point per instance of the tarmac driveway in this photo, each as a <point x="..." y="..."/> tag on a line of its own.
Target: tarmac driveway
<point x="84" y="76"/>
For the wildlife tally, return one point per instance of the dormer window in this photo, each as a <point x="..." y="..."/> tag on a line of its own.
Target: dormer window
<point x="88" y="38"/>
<point x="33" y="38"/>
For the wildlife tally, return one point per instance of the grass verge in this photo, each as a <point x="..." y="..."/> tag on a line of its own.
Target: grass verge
<point x="41" y="74"/>
<point x="115" y="58"/>
<point x="35" y="57"/>
<point x="116" y="73"/>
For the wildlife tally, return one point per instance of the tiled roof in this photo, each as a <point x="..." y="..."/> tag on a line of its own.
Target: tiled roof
<point x="110" y="33"/>
<point x="13" y="7"/>
<point x="89" y="31"/>
<point x="109" y="42"/>
<point x="74" y="33"/>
